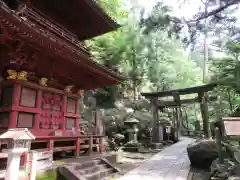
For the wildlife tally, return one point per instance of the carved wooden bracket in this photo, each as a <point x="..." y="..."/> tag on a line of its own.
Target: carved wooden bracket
<point x="3" y="34"/>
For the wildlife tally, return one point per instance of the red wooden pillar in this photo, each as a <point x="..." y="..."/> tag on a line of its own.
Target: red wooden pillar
<point x="101" y="144"/>
<point x="77" y="152"/>
<point x="64" y="111"/>
<point x="50" y="145"/>
<point x="78" y="113"/>
<point x="16" y="99"/>
<point x="38" y="105"/>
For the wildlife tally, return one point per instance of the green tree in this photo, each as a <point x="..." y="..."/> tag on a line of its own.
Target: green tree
<point x="226" y="70"/>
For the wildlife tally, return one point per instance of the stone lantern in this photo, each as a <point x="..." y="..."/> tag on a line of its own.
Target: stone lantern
<point x="133" y="129"/>
<point x="19" y="141"/>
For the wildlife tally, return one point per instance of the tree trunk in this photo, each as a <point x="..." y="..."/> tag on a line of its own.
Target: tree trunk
<point x="204" y="112"/>
<point x="205" y="68"/>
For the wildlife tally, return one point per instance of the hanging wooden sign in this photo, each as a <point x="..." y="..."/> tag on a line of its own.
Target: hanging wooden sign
<point x="232" y="126"/>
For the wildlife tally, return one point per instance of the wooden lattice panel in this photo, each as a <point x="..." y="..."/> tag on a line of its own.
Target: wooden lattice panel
<point x="51" y="114"/>
<point x="71" y="105"/>
<point x="44" y="110"/>
<point x="25" y="120"/>
<point x="28" y="97"/>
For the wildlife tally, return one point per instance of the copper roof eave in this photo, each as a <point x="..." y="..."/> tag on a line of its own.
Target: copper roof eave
<point x="110" y="72"/>
<point x="107" y="24"/>
<point x="113" y="24"/>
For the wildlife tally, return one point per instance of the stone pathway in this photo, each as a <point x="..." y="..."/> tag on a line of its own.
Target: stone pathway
<point x="170" y="164"/>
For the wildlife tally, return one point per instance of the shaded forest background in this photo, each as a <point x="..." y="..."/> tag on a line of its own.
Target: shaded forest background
<point x="156" y="51"/>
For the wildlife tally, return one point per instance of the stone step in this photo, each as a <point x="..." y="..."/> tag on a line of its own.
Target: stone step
<point x="111" y="177"/>
<point x="87" y="164"/>
<point x="93" y="169"/>
<point x="90" y="170"/>
<point x="99" y="174"/>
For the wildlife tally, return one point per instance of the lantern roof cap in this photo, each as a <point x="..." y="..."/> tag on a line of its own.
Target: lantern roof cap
<point x="18" y="134"/>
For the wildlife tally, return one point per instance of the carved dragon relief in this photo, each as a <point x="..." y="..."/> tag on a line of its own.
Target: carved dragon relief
<point x="23" y="55"/>
<point x="17" y="55"/>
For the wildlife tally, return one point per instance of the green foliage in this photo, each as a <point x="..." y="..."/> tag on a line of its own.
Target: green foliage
<point x="219" y="17"/>
<point x="114" y="9"/>
<point x="227" y="71"/>
<point x="47" y="176"/>
<point x="151" y="53"/>
<point x="170" y="66"/>
<point x="152" y="60"/>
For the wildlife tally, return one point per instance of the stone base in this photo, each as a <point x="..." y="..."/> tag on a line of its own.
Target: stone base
<point x="156" y="145"/>
<point x="131" y="147"/>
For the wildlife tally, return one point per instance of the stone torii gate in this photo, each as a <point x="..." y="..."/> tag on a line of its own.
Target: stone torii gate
<point x="157" y="105"/>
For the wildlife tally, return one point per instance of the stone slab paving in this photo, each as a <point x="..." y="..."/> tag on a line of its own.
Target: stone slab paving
<point x="170" y="164"/>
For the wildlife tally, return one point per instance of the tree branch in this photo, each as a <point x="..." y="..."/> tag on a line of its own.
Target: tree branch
<point x="215" y="11"/>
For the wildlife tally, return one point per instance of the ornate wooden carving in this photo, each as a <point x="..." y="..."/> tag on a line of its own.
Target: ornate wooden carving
<point x="12" y="74"/>
<point x="54" y="48"/>
<point x="51" y="115"/>
<point x="43" y="81"/>
<point x="3" y="34"/>
<point x="68" y="88"/>
<point x="18" y="56"/>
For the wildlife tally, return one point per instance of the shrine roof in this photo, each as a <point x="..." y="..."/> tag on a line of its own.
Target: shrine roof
<point x="85" y="18"/>
<point x="18" y="133"/>
<point x="59" y="59"/>
<point x="190" y="90"/>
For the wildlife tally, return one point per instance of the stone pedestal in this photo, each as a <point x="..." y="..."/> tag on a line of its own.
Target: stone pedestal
<point x="13" y="163"/>
<point x="156" y="145"/>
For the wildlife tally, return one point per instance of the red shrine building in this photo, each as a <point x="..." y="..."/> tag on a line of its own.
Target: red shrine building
<point x="45" y="69"/>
